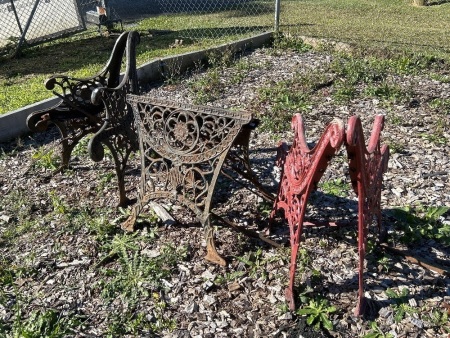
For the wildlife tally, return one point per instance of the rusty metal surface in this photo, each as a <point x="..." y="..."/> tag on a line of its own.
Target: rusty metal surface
<point x="118" y="132"/>
<point x="183" y="148"/>
<point x="302" y="169"/>
<point x="95" y="105"/>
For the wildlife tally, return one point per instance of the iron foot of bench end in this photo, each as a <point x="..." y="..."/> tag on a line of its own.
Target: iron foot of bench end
<point x="128" y="225"/>
<point x="360" y="307"/>
<point x="211" y="252"/>
<point x="212" y="255"/>
<point x="290" y="298"/>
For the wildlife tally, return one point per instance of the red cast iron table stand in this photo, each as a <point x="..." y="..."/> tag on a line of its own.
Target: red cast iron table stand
<point x="302" y="169"/>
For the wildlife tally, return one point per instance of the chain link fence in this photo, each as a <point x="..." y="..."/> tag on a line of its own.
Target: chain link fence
<point x="34" y="21"/>
<point x="227" y="17"/>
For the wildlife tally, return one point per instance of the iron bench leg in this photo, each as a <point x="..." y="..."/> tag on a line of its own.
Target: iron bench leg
<point x="367" y="166"/>
<point x="302" y="169"/>
<point x="183" y="149"/>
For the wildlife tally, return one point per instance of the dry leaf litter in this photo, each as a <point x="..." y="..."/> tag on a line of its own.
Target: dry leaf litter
<point x="65" y="264"/>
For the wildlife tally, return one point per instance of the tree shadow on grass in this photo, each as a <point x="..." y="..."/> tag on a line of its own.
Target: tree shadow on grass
<point x="437" y="2"/>
<point x="67" y="56"/>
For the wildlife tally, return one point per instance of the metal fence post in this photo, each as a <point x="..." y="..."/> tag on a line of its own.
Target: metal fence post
<point x="277" y="15"/>
<point x="22" y="38"/>
<point x="13" y="7"/>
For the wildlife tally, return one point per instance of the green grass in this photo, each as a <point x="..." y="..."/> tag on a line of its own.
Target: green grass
<point x="84" y="54"/>
<point x="376" y="25"/>
<point x="45" y="323"/>
<point x="394" y="23"/>
<point x="337" y="187"/>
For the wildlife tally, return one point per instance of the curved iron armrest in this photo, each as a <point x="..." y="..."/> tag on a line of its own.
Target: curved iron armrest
<point x="75" y="115"/>
<point x="117" y="130"/>
<point x="75" y="93"/>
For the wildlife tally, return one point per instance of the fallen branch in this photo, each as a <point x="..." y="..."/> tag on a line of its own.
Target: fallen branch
<point x="247" y="232"/>
<point x="423" y="262"/>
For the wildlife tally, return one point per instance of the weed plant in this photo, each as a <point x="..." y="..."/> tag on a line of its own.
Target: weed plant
<point x="46" y="158"/>
<point x="337" y="187"/>
<point x="400" y="306"/>
<point x="438" y="318"/>
<point x="419" y="223"/>
<point x="256" y="263"/>
<point x="376" y="332"/>
<point x="317" y="313"/>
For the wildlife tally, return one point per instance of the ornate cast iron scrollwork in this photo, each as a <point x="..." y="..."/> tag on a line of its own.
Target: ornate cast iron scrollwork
<point x="183" y="148"/>
<point x="302" y="169"/>
<point x="75" y="115"/>
<point x="118" y="132"/>
<point x="367" y="166"/>
<point x="96" y="105"/>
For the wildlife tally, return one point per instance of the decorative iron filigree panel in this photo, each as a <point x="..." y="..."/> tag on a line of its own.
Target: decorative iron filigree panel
<point x="302" y="169"/>
<point x="183" y="148"/>
<point x="96" y="105"/>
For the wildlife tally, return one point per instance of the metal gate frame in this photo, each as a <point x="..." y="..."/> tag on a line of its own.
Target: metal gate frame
<point x="24" y="29"/>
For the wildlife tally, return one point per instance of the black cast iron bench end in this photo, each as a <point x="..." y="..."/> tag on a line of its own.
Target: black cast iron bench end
<point x="96" y="105"/>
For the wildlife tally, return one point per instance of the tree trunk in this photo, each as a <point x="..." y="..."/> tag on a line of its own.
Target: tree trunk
<point x="420" y="2"/>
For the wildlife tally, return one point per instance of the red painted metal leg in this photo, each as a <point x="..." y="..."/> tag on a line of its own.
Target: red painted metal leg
<point x="367" y="166"/>
<point x="289" y="292"/>
<point x="296" y="229"/>
<point x="362" y="240"/>
<point x="302" y="169"/>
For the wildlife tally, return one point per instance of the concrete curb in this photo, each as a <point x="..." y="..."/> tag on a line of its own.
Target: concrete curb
<point x="13" y="124"/>
<point x="174" y="65"/>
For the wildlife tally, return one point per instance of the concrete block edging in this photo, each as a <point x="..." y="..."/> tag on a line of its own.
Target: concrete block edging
<point x="12" y="124"/>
